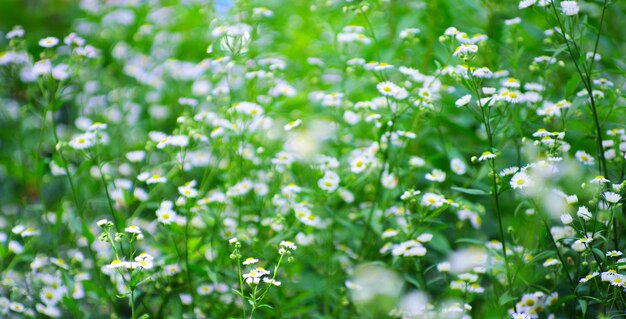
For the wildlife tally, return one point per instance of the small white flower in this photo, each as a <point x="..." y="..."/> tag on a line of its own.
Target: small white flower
<point x="359" y="164"/>
<point x="614" y="253"/>
<point x="165" y="214"/>
<point x="465" y="49"/>
<point x="329" y="182"/>
<point x="83" y="141"/>
<point x="612" y="197"/>
<point x="520" y="180"/>
<point x="288" y="245"/>
<point x="389" y="180"/>
<point x="48" y="42"/>
<point x="133" y="230"/>
<point x="584" y="158"/>
<point x="155" y="179"/>
<point x="520" y="315"/>
<point x="457" y="166"/>
<point x="566" y="219"/>
<point x="293" y="124"/>
<point x="550" y="262"/>
<point x="205" y="289"/>
<point x="250" y="261"/>
<point x="464" y="100"/>
<point x="136" y="156"/>
<point x="486" y="155"/>
<point x="436" y="175"/>
<point x="570" y="8"/>
<point x="432" y="200"/>
<point x="444" y="266"/>
<point x="392" y="90"/>
<point x="599" y="180"/>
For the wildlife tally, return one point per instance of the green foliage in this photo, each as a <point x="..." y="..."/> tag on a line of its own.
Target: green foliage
<point x="318" y="159"/>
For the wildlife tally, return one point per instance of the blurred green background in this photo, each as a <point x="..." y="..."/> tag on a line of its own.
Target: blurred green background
<point x="40" y="18"/>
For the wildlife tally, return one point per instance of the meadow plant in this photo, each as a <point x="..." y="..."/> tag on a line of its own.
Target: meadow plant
<point x="315" y="159"/>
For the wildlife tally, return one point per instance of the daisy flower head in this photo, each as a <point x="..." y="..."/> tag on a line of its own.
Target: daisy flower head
<point x="329" y="182"/>
<point x="463" y="101"/>
<point x="584" y="158"/>
<point x="272" y="282"/>
<point x="436" y="175"/>
<point x="389" y="180"/>
<point x="16" y="32"/>
<point x="457" y="166"/>
<point x="135" y="230"/>
<point x="486" y="155"/>
<point x="286" y="244"/>
<point x="465" y="49"/>
<point x="550" y="262"/>
<point x="511" y="83"/>
<point x="612" y="197"/>
<point x="444" y="266"/>
<point x="51" y="296"/>
<point x="291" y="125"/>
<point x="618" y="281"/>
<point x="104" y="223"/>
<point x="359" y="164"/>
<point x="97" y="126"/>
<point x="614" y="253"/>
<point x="570" y="8"/>
<point x="155" y="179"/>
<point x="511" y="96"/>
<point x="509" y="171"/>
<point x="390" y="89"/>
<point x="589" y="277"/>
<point x="409" y="33"/>
<point x="407" y="195"/>
<point x="83" y="141"/>
<point x="188" y="190"/>
<point x="520" y="180"/>
<point x="566" y="219"/>
<point x="584" y="213"/>
<point x="205" y="289"/>
<point x="433" y="200"/>
<point x="165" y="214"/>
<point x="250" y="261"/>
<point x="599" y="180"/>
<point x="48" y="42"/>
<point x="136" y="156"/>
<point x="388" y="233"/>
<point x="523" y="4"/>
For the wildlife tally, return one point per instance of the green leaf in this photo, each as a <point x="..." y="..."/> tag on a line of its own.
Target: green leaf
<point x="470" y="241"/>
<point x="563" y="300"/>
<point x="411" y="280"/>
<point x="440" y="243"/>
<point x="572" y="85"/>
<point x="544" y="254"/>
<point x="599" y="253"/>
<point x="583" y="306"/>
<point x="470" y="191"/>
<point x="506" y="298"/>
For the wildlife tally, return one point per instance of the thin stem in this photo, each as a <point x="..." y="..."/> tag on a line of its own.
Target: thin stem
<point x="241" y="290"/>
<point x="378" y="187"/>
<point x="492" y="163"/>
<point x="558" y="253"/>
<point x="81" y="214"/>
<point x="373" y="34"/>
<point x="586" y="79"/>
